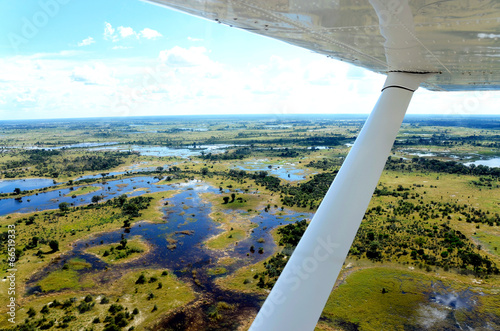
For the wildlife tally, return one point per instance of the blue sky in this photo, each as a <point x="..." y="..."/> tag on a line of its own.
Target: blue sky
<point x="68" y="58"/>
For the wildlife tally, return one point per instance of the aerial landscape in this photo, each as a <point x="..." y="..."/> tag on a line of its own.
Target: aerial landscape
<point x="185" y="222"/>
<point x="249" y="165"/>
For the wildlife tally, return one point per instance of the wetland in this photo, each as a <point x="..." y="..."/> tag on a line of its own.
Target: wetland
<point x="184" y="223"/>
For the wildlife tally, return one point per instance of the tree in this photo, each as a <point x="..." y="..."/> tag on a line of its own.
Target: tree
<point x="17" y="191"/>
<point x="204" y="171"/>
<point x="226" y="200"/>
<point x="123" y="242"/>
<point x="96" y="198"/>
<point x="34" y="241"/>
<point x="54" y="245"/>
<point x="233" y="196"/>
<point x="31" y="312"/>
<point x="64" y="207"/>
<point x="131" y="209"/>
<point x="141" y="279"/>
<point x="120" y="201"/>
<point x="45" y="310"/>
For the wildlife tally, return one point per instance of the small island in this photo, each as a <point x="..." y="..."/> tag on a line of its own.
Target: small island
<point x="121" y="252"/>
<point x="82" y="191"/>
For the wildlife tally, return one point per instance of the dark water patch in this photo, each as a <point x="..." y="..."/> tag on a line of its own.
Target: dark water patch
<point x="261" y="235"/>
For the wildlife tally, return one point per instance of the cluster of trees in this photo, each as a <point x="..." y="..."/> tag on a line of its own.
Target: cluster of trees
<point x="237" y="154"/>
<point x="289" y="238"/>
<point x="131" y="207"/>
<point x="326" y="163"/>
<point x="260" y="177"/>
<point x="394" y="233"/>
<point x="308" y="194"/>
<point x="421" y="244"/>
<point x="450" y="167"/>
<point x="486" y="182"/>
<point x="117" y="317"/>
<point x="305" y="194"/>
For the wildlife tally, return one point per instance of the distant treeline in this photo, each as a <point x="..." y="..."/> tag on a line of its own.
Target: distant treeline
<point x="53" y="163"/>
<point x="492" y="141"/>
<point x="449" y="167"/>
<point x="466" y="121"/>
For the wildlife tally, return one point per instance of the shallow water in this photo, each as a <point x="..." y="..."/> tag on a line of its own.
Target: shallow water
<point x="8" y="185"/>
<point x="167" y="151"/>
<point x="493" y="163"/>
<point x="187" y="212"/>
<point x="287" y="171"/>
<point x="50" y="200"/>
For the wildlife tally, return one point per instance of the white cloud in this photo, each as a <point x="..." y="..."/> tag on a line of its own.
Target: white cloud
<point x="194" y="39"/>
<point x="123" y="32"/>
<point x="126" y="32"/>
<point x="122" y="47"/>
<point x="150" y="33"/>
<point x="182" y="57"/>
<point x="98" y="74"/>
<point x="86" y="42"/>
<point x="109" y="32"/>
<point x="189" y="81"/>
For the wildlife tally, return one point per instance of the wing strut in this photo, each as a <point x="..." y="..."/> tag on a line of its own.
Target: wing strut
<point x="301" y="292"/>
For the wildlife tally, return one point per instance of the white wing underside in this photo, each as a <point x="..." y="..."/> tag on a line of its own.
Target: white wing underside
<point x="458" y="39"/>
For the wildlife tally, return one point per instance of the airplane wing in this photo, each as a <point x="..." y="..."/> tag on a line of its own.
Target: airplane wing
<point x="456" y="38"/>
<point x="444" y="45"/>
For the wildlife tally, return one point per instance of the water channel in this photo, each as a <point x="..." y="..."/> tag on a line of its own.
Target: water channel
<point x="186" y="219"/>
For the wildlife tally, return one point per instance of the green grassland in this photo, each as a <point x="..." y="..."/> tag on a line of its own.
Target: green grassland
<point x="66" y="278"/>
<point x="141" y="304"/>
<point x="388" y="298"/>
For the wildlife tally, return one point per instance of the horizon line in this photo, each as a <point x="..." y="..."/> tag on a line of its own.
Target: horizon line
<point x="241" y="115"/>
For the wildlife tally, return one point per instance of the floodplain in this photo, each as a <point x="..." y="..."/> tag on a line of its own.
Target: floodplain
<point x="185" y="223"/>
